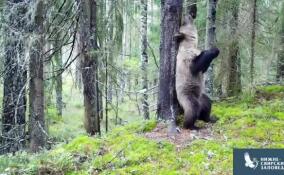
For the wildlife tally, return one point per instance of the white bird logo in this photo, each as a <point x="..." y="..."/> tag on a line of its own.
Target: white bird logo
<point x="249" y="163"/>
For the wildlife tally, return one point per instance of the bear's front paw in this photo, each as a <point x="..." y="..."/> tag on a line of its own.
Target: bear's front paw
<point x="215" y="51"/>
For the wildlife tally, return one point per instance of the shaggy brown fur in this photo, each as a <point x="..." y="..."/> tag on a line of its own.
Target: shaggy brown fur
<point x="189" y="83"/>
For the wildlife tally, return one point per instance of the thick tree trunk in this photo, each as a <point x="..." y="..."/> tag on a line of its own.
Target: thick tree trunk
<point x="144" y="59"/>
<point x="234" y="62"/>
<point x="252" y="45"/>
<point x="280" y="62"/>
<point x="58" y="78"/>
<point x="89" y="65"/>
<point x="210" y="41"/>
<point x="167" y="101"/>
<point x="15" y="77"/>
<point x="36" y="90"/>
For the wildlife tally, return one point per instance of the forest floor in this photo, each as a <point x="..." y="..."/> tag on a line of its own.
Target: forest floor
<point x="250" y="121"/>
<point x="182" y="138"/>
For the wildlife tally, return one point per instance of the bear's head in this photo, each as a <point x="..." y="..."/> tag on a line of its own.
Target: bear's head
<point x="188" y="32"/>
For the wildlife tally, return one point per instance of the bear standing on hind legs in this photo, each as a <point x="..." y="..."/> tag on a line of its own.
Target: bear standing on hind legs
<point x="190" y="66"/>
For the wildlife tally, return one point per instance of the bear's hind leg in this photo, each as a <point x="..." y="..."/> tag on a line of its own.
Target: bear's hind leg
<point x="205" y="109"/>
<point x="191" y="110"/>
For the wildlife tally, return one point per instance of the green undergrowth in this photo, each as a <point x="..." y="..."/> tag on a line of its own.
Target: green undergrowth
<point x="245" y="122"/>
<point x="272" y="89"/>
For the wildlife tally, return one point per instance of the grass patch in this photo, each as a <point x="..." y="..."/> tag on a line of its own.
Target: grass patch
<point x="272" y="89"/>
<point x="243" y="123"/>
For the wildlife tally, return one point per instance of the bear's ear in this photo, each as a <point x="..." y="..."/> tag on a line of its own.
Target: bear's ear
<point x="179" y="36"/>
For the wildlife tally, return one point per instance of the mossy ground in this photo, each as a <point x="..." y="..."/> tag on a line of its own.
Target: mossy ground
<point x="250" y="122"/>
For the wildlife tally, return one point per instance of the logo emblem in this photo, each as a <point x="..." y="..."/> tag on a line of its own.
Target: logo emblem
<point x="250" y="163"/>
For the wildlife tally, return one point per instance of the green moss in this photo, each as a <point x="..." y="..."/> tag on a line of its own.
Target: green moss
<point x="143" y="126"/>
<point x="129" y="153"/>
<point x="149" y="126"/>
<point x="135" y="127"/>
<point x="205" y="160"/>
<point x="55" y="163"/>
<point x="83" y="144"/>
<point x="272" y="89"/>
<point x="243" y="123"/>
<point x="78" y="173"/>
<point x="279" y="115"/>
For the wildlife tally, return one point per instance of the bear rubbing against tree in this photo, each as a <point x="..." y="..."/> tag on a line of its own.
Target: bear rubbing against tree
<point x="190" y="68"/>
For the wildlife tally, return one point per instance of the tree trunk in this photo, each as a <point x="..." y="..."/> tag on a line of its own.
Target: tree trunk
<point x="210" y="41"/>
<point x="252" y="51"/>
<point x="58" y="78"/>
<point x="144" y="59"/>
<point x="36" y="93"/>
<point x="167" y="101"/>
<point x="109" y="57"/>
<point x="280" y="62"/>
<point x="234" y="62"/>
<point x="89" y="65"/>
<point x="15" y="77"/>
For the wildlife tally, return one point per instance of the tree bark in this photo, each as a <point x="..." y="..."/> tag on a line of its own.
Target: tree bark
<point x="210" y="41"/>
<point x="15" y="77"/>
<point x="280" y="62"/>
<point x="36" y="90"/>
<point x="144" y="59"/>
<point x="252" y="51"/>
<point x="234" y="62"/>
<point x="89" y="64"/>
<point x="58" y="78"/>
<point x="167" y="101"/>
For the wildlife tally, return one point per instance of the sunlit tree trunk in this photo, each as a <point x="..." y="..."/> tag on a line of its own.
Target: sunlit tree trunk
<point x="210" y="41"/>
<point x="167" y="101"/>
<point x="89" y="64"/>
<point x="36" y="90"/>
<point x="144" y="59"/>
<point x="15" y="77"/>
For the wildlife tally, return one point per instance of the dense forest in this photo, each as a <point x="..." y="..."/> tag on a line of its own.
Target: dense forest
<point x="92" y="86"/>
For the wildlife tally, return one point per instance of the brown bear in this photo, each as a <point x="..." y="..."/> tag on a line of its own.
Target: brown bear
<point x="190" y="68"/>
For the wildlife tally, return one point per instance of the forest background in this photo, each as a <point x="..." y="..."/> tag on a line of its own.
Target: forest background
<point x="87" y="67"/>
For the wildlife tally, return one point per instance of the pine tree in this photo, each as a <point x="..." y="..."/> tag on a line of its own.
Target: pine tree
<point x="37" y="128"/>
<point x="89" y="64"/>
<point x="144" y="59"/>
<point x="234" y="75"/>
<point x="15" y="76"/>
<point x="171" y="11"/>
